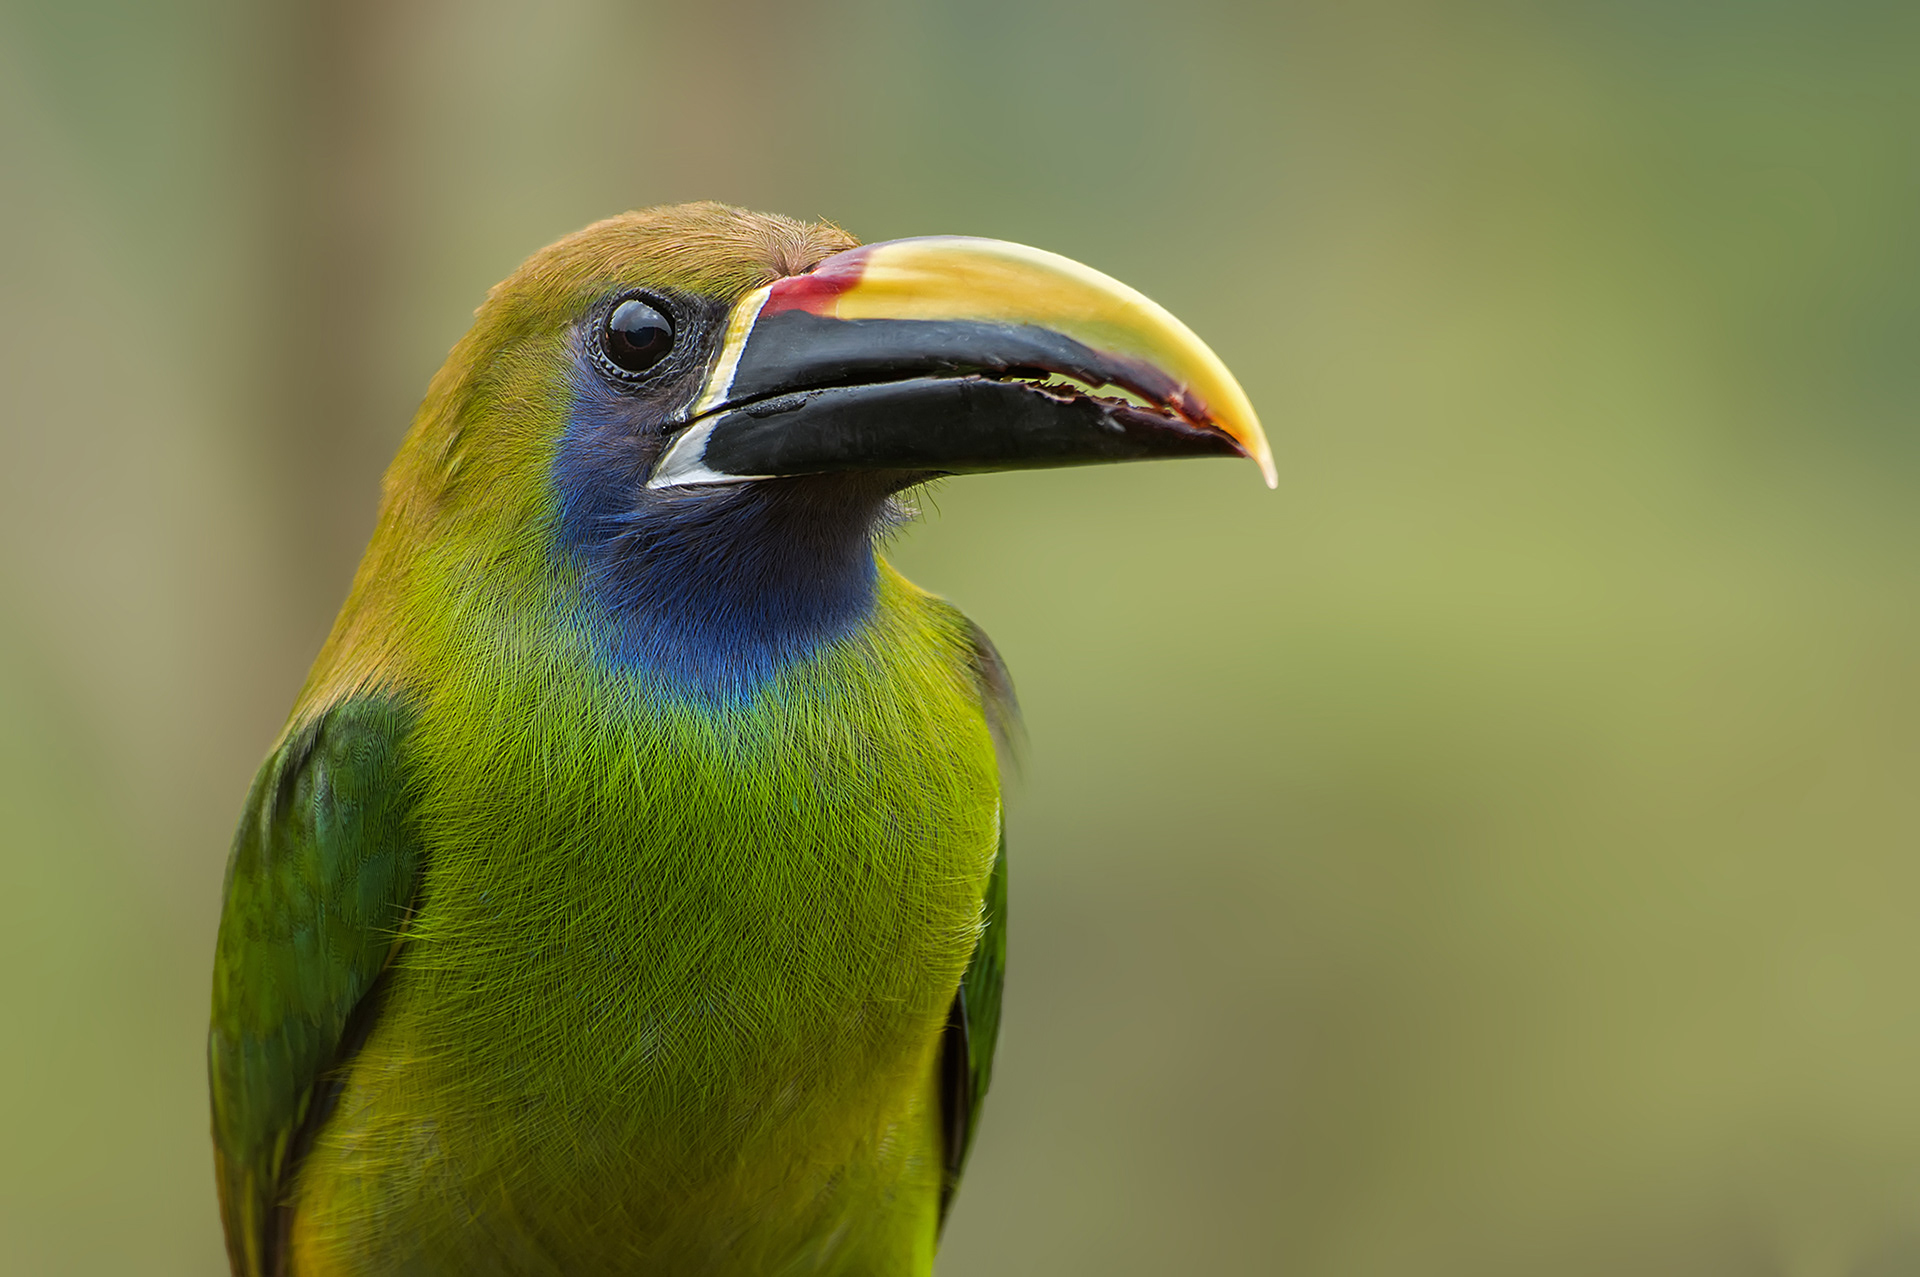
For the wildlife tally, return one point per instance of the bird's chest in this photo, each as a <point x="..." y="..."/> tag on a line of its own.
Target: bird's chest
<point x="655" y="928"/>
<point x="676" y="976"/>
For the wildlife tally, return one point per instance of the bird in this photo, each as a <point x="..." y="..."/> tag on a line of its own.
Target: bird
<point x="626" y="890"/>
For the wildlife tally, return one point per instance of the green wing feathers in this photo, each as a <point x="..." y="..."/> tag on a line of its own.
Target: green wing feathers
<point x="973" y="1025"/>
<point x="973" y="1029"/>
<point x="981" y="986"/>
<point x="318" y="886"/>
<point x="974" y="1022"/>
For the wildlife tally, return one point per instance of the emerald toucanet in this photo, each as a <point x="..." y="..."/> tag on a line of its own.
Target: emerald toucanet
<point x="626" y="892"/>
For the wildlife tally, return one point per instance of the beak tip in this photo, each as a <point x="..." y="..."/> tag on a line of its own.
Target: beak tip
<point x="1268" y="471"/>
<point x="1254" y="446"/>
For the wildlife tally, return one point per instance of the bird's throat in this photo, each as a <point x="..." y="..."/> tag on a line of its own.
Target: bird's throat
<point x="717" y="589"/>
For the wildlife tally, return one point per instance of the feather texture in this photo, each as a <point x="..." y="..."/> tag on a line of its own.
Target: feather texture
<point x="668" y="886"/>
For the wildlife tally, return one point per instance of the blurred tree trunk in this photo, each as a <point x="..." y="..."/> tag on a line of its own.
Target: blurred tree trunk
<point x="330" y="203"/>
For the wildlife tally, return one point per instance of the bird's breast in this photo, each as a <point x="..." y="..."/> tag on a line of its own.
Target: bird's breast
<point x="673" y="961"/>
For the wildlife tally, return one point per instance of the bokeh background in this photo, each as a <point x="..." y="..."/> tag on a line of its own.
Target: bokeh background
<point x="1497" y="852"/>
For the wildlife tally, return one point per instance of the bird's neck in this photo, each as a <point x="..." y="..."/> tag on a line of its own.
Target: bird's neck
<point x="717" y="590"/>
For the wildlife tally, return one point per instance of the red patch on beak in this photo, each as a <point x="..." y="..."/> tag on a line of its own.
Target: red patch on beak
<point x="815" y="291"/>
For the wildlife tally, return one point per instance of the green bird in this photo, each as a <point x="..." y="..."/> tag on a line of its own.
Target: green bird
<point x="626" y="892"/>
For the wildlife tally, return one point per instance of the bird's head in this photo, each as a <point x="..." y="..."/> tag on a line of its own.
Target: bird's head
<point x="706" y="413"/>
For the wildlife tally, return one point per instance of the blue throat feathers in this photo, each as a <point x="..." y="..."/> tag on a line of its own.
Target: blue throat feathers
<point x="713" y="590"/>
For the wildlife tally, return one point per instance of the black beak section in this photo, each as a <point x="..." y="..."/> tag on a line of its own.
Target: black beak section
<point x="945" y="425"/>
<point x="953" y="356"/>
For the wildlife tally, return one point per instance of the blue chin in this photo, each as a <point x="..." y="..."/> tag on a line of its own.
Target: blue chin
<point x="711" y="590"/>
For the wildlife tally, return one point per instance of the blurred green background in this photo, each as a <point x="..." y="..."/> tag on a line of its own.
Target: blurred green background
<point x="1497" y="852"/>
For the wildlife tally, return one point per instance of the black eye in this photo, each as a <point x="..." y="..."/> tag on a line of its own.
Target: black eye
<point x="637" y="336"/>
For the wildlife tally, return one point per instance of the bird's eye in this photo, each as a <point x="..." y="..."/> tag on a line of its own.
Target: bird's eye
<point x="637" y="336"/>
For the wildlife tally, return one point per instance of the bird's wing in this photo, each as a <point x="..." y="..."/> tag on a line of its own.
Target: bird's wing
<point x="973" y="1023"/>
<point x="973" y="1027"/>
<point x="318" y="887"/>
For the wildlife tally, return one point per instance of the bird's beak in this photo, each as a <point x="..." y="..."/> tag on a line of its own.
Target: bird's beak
<point x="949" y="355"/>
